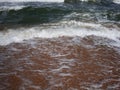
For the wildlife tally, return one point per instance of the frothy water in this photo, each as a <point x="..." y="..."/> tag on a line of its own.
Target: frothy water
<point x="31" y="0"/>
<point x="55" y="63"/>
<point x="78" y="51"/>
<point x="16" y="7"/>
<point x="69" y="29"/>
<point x="19" y="4"/>
<point x="117" y="1"/>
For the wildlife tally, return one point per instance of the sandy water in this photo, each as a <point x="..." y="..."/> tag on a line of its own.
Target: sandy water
<point x="75" y="50"/>
<point x="64" y="56"/>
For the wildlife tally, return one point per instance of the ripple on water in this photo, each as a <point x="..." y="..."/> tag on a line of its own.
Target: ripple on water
<point x="64" y="63"/>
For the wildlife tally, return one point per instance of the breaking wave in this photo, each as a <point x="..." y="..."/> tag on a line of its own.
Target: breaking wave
<point x="36" y="12"/>
<point x="57" y="46"/>
<point x="64" y="28"/>
<point x="31" y="0"/>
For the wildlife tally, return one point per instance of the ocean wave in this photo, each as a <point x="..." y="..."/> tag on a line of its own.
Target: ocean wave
<point x="64" y="28"/>
<point x="33" y="15"/>
<point x="36" y="13"/>
<point x="7" y="8"/>
<point x="31" y="0"/>
<point x="30" y="15"/>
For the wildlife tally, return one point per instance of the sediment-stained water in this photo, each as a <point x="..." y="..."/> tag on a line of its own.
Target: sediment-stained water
<point x="64" y="63"/>
<point x="64" y="49"/>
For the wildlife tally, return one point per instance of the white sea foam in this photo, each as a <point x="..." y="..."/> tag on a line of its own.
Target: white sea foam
<point x="71" y="29"/>
<point x="2" y="8"/>
<point x="60" y="68"/>
<point x="31" y="0"/>
<point x="116" y="1"/>
<point x="65" y="74"/>
<point x="15" y="4"/>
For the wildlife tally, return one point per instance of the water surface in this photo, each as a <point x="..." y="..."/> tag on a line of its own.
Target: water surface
<point x="57" y="46"/>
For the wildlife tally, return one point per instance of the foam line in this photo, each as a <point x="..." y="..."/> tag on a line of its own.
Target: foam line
<point x="82" y="30"/>
<point x="31" y="0"/>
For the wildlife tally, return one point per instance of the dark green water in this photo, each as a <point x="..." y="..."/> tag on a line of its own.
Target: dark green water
<point x="37" y="13"/>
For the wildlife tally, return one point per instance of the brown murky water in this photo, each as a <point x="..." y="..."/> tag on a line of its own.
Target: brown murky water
<point x="64" y="63"/>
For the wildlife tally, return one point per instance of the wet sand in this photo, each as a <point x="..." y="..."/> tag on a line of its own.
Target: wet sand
<point x="64" y="63"/>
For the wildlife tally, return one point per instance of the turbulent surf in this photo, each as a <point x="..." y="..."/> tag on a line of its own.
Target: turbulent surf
<point x="59" y="46"/>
